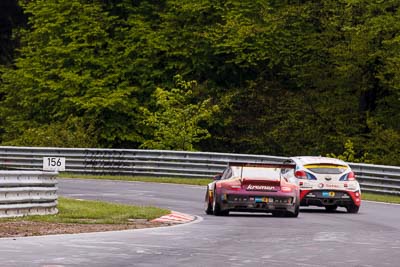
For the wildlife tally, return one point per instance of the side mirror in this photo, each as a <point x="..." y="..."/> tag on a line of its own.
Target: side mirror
<point x="217" y="177"/>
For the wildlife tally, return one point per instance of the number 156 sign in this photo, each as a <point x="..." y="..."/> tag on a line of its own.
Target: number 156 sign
<point x="53" y="164"/>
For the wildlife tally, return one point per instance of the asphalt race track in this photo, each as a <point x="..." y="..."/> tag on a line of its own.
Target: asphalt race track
<point x="315" y="238"/>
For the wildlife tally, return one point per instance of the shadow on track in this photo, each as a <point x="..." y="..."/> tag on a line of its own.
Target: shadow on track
<point x="321" y="210"/>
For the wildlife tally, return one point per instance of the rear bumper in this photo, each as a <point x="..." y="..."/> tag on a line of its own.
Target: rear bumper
<point x="323" y="198"/>
<point x="259" y="202"/>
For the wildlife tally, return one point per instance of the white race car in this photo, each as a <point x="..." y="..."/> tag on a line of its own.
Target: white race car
<point x="326" y="182"/>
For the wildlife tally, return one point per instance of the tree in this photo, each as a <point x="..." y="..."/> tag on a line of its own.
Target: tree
<point x="288" y="77"/>
<point x="11" y="17"/>
<point x="68" y="68"/>
<point x="71" y="133"/>
<point x="177" y="120"/>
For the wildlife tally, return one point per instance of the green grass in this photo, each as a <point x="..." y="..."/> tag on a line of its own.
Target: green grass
<point x="95" y="212"/>
<point x="381" y="198"/>
<point x="170" y="180"/>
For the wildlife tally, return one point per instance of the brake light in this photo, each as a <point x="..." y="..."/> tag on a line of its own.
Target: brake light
<point x="286" y="189"/>
<point x="301" y="174"/>
<point x="235" y="187"/>
<point x="348" y="177"/>
<point x="351" y="176"/>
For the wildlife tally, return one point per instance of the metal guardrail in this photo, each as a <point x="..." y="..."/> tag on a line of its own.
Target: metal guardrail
<point x="27" y="193"/>
<point x="136" y="162"/>
<point x="378" y="178"/>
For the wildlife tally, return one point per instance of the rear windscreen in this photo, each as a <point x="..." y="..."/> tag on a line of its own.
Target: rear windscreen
<point x="326" y="169"/>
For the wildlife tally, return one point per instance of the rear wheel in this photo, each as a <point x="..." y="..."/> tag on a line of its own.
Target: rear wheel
<point x="352" y="208"/>
<point x="294" y="214"/>
<point x="216" y="207"/>
<point x="207" y="205"/>
<point x="331" y="208"/>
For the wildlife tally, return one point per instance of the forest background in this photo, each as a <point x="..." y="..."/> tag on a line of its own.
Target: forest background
<point x="270" y="77"/>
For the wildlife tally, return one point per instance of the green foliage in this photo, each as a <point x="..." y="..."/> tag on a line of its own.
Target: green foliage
<point x="177" y="121"/>
<point x="72" y="133"/>
<point x="349" y="154"/>
<point x="67" y="68"/>
<point x="383" y="144"/>
<point x="288" y="77"/>
<point x="10" y="16"/>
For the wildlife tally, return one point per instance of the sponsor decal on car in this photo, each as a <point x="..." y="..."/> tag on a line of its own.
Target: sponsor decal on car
<point x="263" y="200"/>
<point x="328" y="194"/>
<point x="332" y="185"/>
<point x="251" y="187"/>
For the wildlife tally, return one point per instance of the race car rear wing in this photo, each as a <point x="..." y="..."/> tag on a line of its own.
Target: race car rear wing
<point x="284" y="167"/>
<point x="263" y="165"/>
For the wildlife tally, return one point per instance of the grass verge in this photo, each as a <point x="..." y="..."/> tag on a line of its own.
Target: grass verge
<point x="169" y="180"/>
<point x="95" y="212"/>
<point x="381" y="198"/>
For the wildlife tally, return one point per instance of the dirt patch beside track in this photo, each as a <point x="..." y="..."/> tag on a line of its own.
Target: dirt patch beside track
<point x="28" y="228"/>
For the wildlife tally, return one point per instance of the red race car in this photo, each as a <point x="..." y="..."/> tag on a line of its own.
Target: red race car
<point x="253" y="187"/>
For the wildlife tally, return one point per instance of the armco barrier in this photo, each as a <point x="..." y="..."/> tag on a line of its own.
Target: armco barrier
<point x="137" y="162"/>
<point x="27" y="193"/>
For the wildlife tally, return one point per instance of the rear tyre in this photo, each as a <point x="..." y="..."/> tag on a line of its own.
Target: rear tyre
<point x="216" y="207"/>
<point x="331" y="208"/>
<point x="294" y="214"/>
<point x="207" y="205"/>
<point x="225" y="212"/>
<point x="352" y="208"/>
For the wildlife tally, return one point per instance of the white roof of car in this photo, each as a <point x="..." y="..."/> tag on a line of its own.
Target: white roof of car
<point x="305" y="160"/>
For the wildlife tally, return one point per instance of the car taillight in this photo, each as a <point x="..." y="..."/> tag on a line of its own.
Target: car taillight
<point x="235" y="187"/>
<point x="351" y="176"/>
<point x="286" y="189"/>
<point x="301" y="174"/>
<point x="348" y="177"/>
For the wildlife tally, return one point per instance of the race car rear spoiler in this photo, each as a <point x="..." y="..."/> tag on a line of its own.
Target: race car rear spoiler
<point x="262" y="165"/>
